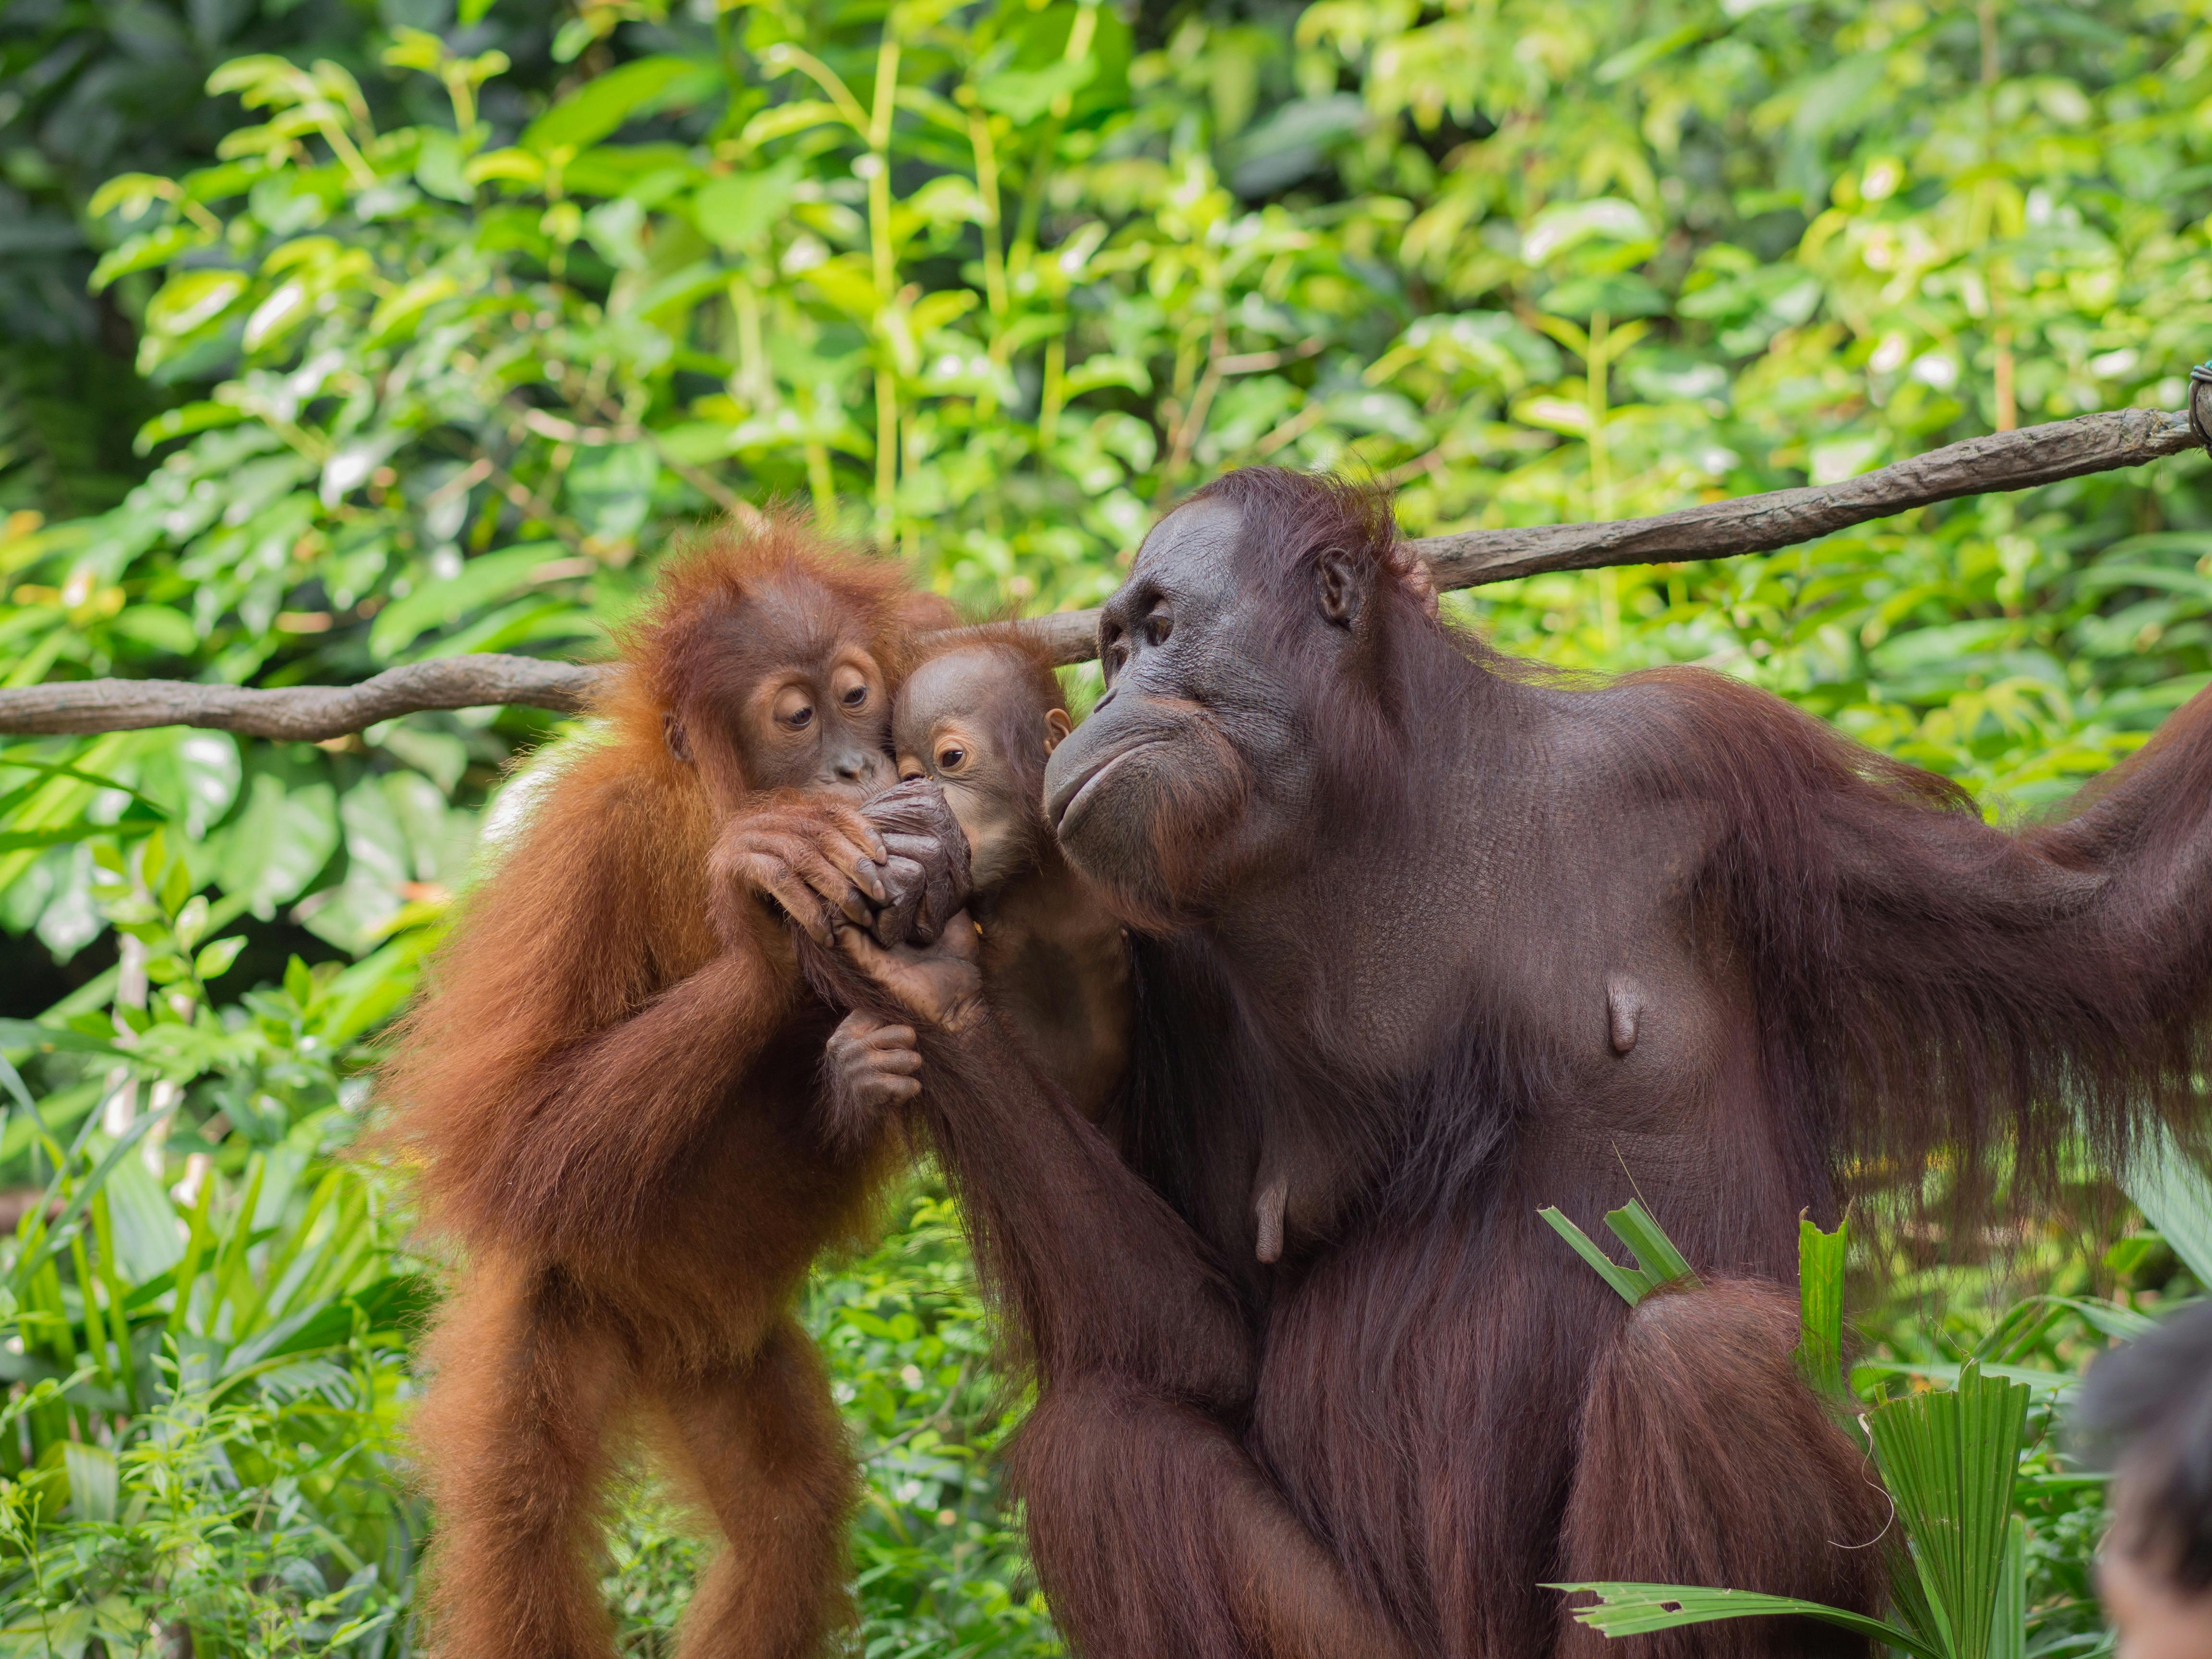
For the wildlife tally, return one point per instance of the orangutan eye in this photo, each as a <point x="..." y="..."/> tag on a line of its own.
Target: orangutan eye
<point x="794" y="709"/>
<point x="949" y="758"/>
<point x="856" y="696"/>
<point x="1157" y="627"/>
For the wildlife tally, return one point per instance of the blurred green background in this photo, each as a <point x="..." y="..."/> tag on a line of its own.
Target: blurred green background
<point x="337" y="335"/>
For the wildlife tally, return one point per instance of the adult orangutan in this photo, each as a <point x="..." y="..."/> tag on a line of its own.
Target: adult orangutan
<point x="611" y="1087"/>
<point x="1428" y="941"/>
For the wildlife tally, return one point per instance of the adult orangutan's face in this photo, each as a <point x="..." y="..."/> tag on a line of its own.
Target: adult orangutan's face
<point x="1191" y="771"/>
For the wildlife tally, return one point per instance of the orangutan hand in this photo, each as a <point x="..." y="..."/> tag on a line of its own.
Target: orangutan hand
<point x="938" y="984"/>
<point x="819" y="859"/>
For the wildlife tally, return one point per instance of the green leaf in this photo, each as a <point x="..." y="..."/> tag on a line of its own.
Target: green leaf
<point x="280" y="842"/>
<point x="2175" y="1197"/>
<point x="1949" y="1460"/>
<point x="92" y="1481"/>
<point x="1655" y="1252"/>
<point x="1821" y="1258"/>
<point x="1631" y="1283"/>
<point x="734" y="212"/>
<point x="144" y="252"/>
<point x="215" y="959"/>
<point x="185" y="420"/>
<point x="1639" y="1609"/>
<point x="602" y="105"/>
<point x="483" y="580"/>
<point x="160" y="627"/>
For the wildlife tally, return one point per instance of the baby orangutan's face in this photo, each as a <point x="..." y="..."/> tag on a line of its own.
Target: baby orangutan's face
<point x="967" y="720"/>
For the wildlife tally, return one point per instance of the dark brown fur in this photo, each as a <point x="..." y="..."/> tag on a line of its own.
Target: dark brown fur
<point x="608" y="1089"/>
<point x="1378" y="946"/>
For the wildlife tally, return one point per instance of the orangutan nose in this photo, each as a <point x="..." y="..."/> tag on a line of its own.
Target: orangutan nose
<point x="857" y="766"/>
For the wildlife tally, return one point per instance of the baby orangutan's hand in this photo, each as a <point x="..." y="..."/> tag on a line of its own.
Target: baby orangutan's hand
<point x="940" y="984"/>
<point x="870" y="1067"/>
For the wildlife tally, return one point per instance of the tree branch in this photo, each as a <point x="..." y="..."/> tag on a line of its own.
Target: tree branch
<point x="1749" y="524"/>
<point x="304" y="712"/>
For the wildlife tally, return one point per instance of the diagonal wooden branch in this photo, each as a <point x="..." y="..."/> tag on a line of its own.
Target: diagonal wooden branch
<point x="1749" y="524"/>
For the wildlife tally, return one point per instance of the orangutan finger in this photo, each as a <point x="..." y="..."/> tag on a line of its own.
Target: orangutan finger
<point x="857" y="828"/>
<point x="887" y="1036"/>
<point x="831" y="883"/>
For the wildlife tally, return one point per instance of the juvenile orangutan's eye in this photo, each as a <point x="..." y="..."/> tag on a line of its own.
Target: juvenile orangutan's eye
<point x="855" y="696"/>
<point x="949" y="757"/>
<point x="794" y="709"/>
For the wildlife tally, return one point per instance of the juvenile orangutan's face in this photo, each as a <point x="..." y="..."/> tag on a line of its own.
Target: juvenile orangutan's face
<point x="967" y="719"/>
<point x="799" y="694"/>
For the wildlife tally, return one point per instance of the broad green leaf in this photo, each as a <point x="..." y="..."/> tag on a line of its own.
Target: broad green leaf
<point x="483" y="580"/>
<point x="1639" y="1609"/>
<point x="1949" y="1460"/>
<point x="1820" y="1262"/>
<point x="92" y="1481"/>
<point x="602" y="105"/>
<point x="280" y="842"/>
<point x="2175" y="1196"/>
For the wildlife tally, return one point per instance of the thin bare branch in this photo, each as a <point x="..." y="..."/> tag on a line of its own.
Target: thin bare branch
<point x="304" y="712"/>
<point x="1749" y="524"/>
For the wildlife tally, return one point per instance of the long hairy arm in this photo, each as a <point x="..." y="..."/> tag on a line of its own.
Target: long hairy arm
<point x="1099" y="1275"/>
<point x="1928" y="983"/>
<point x="583" y="1023"/>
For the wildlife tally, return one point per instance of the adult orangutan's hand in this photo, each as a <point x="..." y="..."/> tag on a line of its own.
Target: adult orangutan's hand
<point x="937" y="984"/>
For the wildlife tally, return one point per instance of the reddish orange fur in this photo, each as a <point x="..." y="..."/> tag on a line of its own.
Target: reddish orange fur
<point x="608" y="1088"/>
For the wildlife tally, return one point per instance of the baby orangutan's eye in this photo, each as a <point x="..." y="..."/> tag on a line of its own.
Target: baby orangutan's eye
<point x="949" y="757"/>
<point x="855" y="696"/>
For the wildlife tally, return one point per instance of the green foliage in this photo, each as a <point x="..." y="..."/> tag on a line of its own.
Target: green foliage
<point x="1822" y="1258"/>
<point x="448" y="319"/>
<point x="1964" y="1476"/>
<point x="1633" y="1226"/>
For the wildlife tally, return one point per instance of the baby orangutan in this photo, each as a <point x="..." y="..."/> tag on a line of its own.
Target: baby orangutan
<point x="979" y="719"/>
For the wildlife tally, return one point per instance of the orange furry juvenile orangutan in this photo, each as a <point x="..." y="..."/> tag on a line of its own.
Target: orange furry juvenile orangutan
<point x="611" y="1087"/>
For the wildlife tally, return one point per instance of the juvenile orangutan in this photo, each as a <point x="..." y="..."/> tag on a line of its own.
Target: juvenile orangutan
<point x="979" y="719"/>
<point x="611" y="1087"/>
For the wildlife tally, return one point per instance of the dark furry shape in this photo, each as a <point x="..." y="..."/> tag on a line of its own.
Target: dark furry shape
<point x="928" y="872"/>
<point x="1428" y="940"/>
<point x="1144" y="1498"/>
<point x="608" y="1089"/>
<point x="1696" y="1418"/>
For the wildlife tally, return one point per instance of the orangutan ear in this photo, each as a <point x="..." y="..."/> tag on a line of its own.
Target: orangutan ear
<point x="679" y="740"/>
<point x="1341" y="583"/>
<point x="1057" y="725"/>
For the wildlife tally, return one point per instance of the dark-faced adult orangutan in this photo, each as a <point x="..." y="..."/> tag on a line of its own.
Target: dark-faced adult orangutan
<point x="611" y="1087"/>
<point x="1424" y="941"/>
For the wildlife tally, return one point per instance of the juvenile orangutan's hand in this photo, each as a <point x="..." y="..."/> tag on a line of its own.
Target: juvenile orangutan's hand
<point x="819" y="858"/>
<point x="870" y="1067"/>
<point x="927" y="873"/>
<point x="938" y="984"/>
